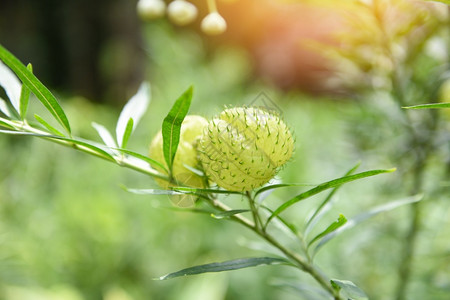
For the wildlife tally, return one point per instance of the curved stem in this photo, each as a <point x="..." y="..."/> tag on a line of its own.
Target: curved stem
<point x="298" y="261"/>
<point x="254" y="209"/>
<point x="212" y="7"/>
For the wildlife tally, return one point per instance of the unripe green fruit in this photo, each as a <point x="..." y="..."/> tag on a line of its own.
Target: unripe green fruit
<point x="191" y="130"/>
<point x="243" y="148"/>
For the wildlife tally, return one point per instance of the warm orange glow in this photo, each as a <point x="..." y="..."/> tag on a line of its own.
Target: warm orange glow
<point x="288" y="40"/>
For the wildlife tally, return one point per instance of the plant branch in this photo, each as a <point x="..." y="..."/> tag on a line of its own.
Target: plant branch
<point x="121" y="160"/>
<point x="299" y="261"/>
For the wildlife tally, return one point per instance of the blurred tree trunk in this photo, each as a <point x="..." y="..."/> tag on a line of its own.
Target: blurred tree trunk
<point x="83" y="47"/>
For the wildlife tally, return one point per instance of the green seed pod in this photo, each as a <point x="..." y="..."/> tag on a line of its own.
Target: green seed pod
<point x="191" y="130"/>
<point x="243" y="148"/>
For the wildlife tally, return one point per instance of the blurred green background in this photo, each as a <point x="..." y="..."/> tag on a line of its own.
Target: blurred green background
<point x="68" y="231"/>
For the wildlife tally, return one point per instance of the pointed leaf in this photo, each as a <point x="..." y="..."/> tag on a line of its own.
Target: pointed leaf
<point x="188" y="209"/>
<point x="198" y="190"/>
<point x="278" y="185"/>
<point x="229" y="213"/>
<point x="172" y="125"/>
<point x="4" y="124"/>
<point x="226" y="266"/>
<point x="324" y="186"/>
<point x="35" y="86"/>
<point x="312" y="221"/>
<point x="291" y="227"/>
<point x="348" y="289"/>
<point x="261" y="196"/>
<point x="151" y="191"/>
<point x="429" y="105"/>
<point x="25" y="97"/>
<point x="4" y="108"/>
<point x="105" y="135"/>
<point x="194" y="170"/>
<point x="127" y="133"/>
<point x="147" y="159"/>
<point x="366" y="215"/>
<point x="134" y="109"/>
<point x="48" y="126"/>
<point x="11" y="85"/>
<point x="99" y="151"/>
<point x="333" y="227"/>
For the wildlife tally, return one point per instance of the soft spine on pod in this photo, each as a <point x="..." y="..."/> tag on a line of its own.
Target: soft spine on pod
<point x="244" y="147"/>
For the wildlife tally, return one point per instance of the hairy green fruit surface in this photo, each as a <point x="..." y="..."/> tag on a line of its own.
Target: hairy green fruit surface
<point x="191" y="130"/>
<point x="243" y="148"/>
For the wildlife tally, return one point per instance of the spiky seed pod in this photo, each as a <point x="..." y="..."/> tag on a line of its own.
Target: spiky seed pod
<point x="213" y="24"/>
<point x="244" y="147"/>
<point x="151" y="9"/>
<point x="191" y="131"/>
<point x="181" y="12"/>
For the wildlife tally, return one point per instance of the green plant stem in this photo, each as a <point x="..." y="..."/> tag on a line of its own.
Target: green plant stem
<point x="212" y="7"/>
<point x="120" y="160"/>
<point x="422" y="152"/>
<point x="298" y="261"/>
<point x="253" y="208"/>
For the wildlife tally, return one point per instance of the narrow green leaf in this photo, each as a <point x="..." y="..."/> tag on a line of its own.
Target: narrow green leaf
<point x="106" y="136"/>
<point x="133" y="109"/>
<point x="429" y="105"/>
<point x="333" y="227"/>
<point x="12" y="86"/>
<point x="188" y="209"/>
<point x="151" y="191"/>
<point x="348" y="289"/>
<point x="171" y="126"/>
<point x="194" y="170"/>
<point x="4" y="124"/>
<point x="291" y="227"/>
<point x="25" y="97"/>
<point x="15" y="132"/>
<point x="35" y="86"/>
<point x="4" y="108"/>
<point x="314" y="218"/>
<point x="226" y="266"/>
<point x="229" y="213"/>
<point x="352" y="222"/>
<point x="127" y="133"/>
<point x="214" y="191"/>
<point x="100" y="152"/>
<point x="324" y="186"/>
<point x="279" y="185"/>
<point x="48" y="126"/>
<point x="147" y="159"/>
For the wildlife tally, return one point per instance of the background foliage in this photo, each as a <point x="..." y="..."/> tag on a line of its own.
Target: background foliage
<point x="68" y="231"/>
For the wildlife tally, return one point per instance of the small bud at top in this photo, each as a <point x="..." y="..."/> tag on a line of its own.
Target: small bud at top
<point x="181" y="12"/>
<point x="214" y="24"/>
<point x="151" y="9"/>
